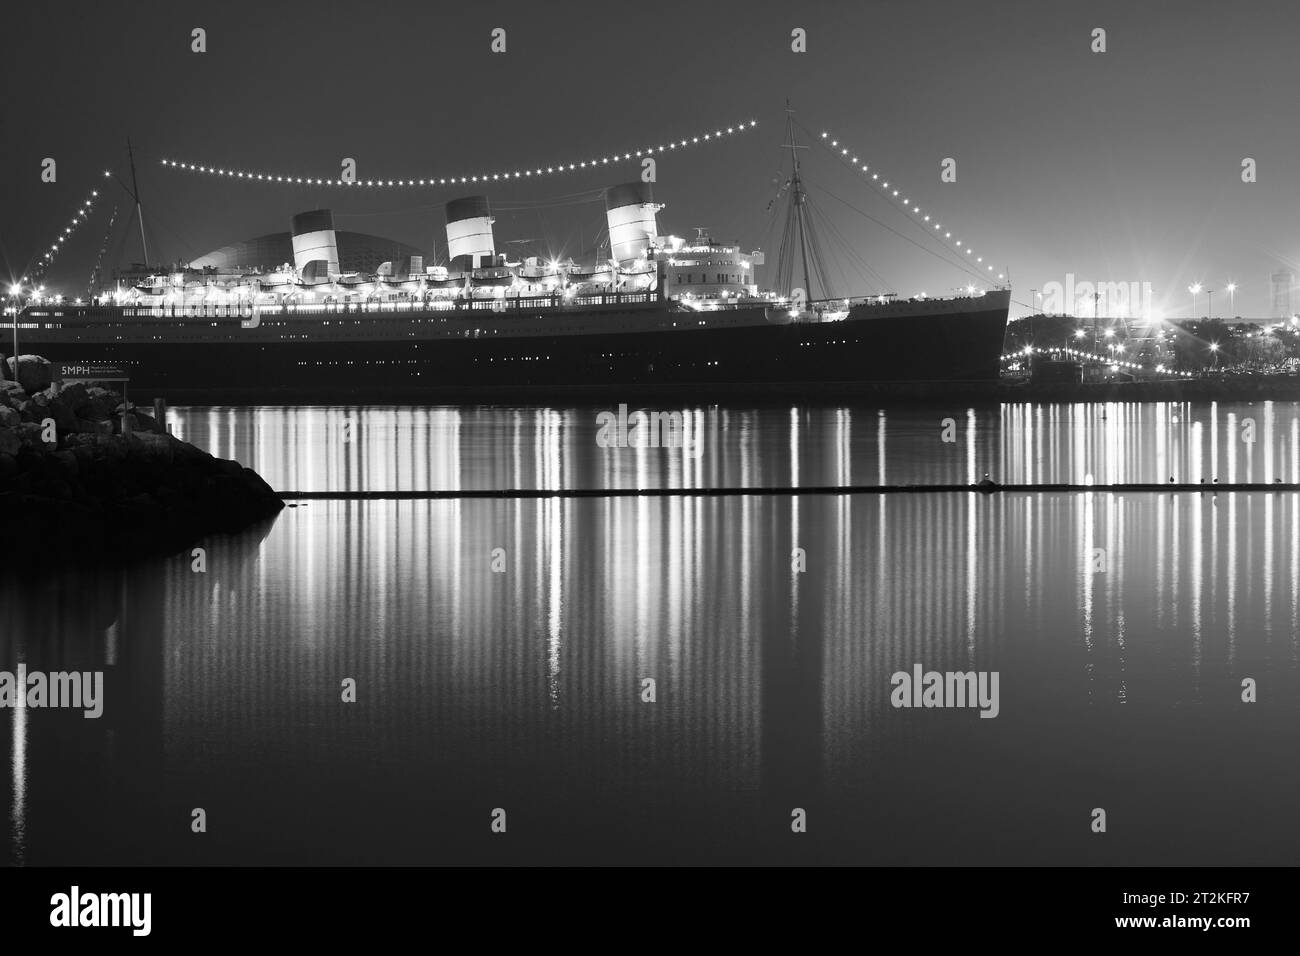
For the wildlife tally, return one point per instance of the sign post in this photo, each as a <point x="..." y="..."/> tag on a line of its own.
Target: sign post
<point x="93" y="372"/>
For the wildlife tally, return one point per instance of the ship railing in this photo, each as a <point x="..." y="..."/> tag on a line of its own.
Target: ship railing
<point x="889" y="298"/>
<point x="187" y="311"/>
<point x="503" y="304"/>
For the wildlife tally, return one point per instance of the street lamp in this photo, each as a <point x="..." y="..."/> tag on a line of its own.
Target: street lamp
<point x="1214" y="350"/>
<point x="1195" y="290"/>
<point x="1232" y="297"/>
<point x="15" y="293"/>
<point x="1209" y="295"/>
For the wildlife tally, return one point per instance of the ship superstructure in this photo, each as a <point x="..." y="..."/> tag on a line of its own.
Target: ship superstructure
<point x="700" y="273"/>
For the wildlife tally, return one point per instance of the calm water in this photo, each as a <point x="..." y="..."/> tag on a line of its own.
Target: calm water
<point x="384" y="449"/>
<point x="521" y="689"/>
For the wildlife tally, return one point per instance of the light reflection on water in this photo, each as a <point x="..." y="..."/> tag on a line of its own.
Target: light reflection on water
<point x="445" y="448"/>
<point x="523" y="689"/>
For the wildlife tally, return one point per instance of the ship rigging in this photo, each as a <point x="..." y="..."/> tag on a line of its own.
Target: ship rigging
<point x="799" y="241"/>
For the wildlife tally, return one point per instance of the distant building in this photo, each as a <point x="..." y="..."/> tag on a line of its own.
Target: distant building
<point x="1281" y="295"/>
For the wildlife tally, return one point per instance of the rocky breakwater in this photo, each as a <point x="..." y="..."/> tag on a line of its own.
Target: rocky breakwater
<point x="85" y="476"/>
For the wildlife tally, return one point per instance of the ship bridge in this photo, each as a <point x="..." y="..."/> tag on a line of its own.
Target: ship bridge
<point x="707" y="269"/>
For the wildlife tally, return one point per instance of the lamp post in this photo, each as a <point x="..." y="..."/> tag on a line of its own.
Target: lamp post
<point x="1195" y="290"/>
<point x="1209" y="295"/>
<point x="1232" y="297"/>
<point x="15" y="293"/>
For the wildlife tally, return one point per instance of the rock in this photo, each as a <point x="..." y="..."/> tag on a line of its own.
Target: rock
<point x="94" y="428"/>
<point x="29" y="433"/>
<point x="12" y="394"/>
<point x="100" y="403"/>
<point x="73" y="395"/>
<point x="34" y="373"/>
<point x="147" y="423"/>
<point x="63" y="415"/>
<point x="155" y="450"/>
<point x="57" y="488"/>
<point x="257" y="484"/>
<point x="9" y="418"/>
<point x="67" y="463"/>
<point x="229" y="467"/>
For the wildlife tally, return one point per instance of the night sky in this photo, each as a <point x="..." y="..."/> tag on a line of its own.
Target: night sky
<point x="1122" y="167"/>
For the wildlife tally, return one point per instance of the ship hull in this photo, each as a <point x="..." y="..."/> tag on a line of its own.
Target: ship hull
<point x="656" y="348"/>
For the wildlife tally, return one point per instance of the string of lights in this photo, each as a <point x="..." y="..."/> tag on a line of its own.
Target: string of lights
<point x="47" y="259"/>
<point x="1094" y="357"/>
<point x="434" y="181"/>
<point x="99" y="259"/>
<point x="847" y="156"/>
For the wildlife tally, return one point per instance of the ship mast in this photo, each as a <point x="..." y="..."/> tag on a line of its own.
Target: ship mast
<point x="798" y="227"/>
<point x="135" y="194"/>
<point x="797" y="196"/>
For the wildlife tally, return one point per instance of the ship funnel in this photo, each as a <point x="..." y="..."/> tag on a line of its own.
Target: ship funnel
<point x="469" y="233"/>
<point x="315" y="246"/>
<point x="630" y="214"/>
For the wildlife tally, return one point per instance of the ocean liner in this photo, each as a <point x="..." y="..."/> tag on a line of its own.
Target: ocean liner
<point x="658" y="313"/>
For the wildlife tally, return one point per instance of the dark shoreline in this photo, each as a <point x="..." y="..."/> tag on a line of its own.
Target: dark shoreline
<point x="86" y="478"/>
